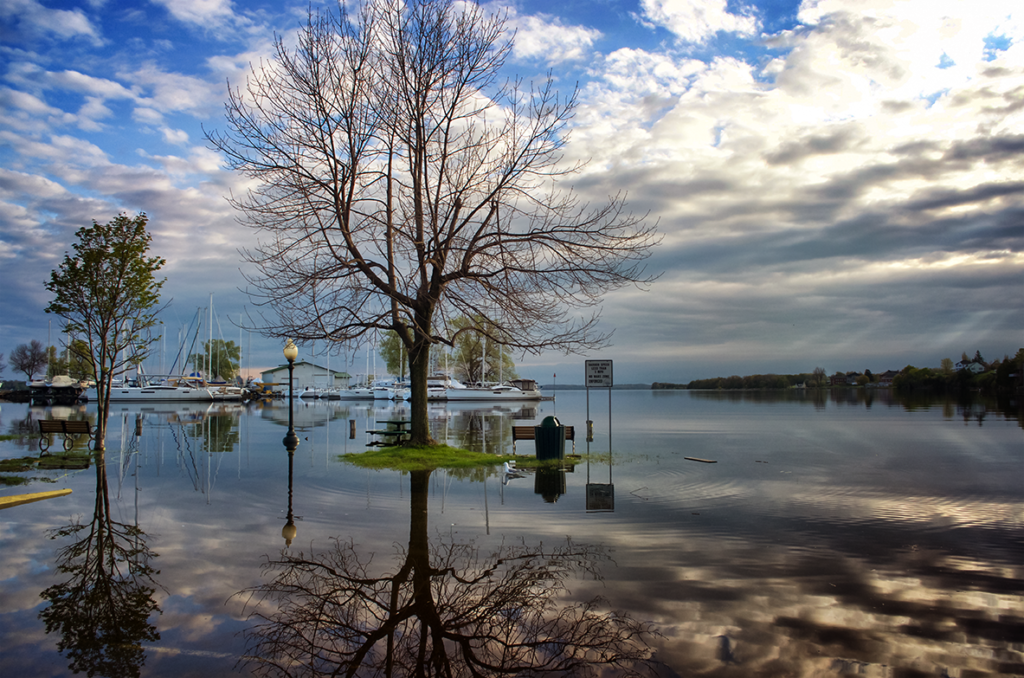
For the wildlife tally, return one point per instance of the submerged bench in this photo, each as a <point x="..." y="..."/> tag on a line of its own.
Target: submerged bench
<point x="527" y="433"/>
<point x="70" y="429"/>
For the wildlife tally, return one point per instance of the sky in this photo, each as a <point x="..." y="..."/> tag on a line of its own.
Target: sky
<point x="838" y="184"/>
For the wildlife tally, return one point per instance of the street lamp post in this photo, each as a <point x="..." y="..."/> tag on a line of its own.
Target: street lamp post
<point x="291" y="352"/>
<point x="291" y="441"/>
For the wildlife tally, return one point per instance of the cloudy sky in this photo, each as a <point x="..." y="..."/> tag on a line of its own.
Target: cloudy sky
<point x="839" y="184"/>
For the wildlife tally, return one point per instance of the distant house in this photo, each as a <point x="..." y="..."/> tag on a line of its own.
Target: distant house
<point x="306" y="375"/>
<point x="837" y="379"/>
<point x="885" y="378"/>
<point x="971" y="366"/>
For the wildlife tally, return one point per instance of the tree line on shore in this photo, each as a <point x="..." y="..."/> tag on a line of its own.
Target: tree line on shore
<point x="998" y="375"/>
<point x="217" y="359"/>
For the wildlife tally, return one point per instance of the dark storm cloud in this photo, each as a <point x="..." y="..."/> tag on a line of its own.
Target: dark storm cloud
<point x="816" y="144"/>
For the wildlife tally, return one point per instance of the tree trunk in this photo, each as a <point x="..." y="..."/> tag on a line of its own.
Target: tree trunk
<point x="419" y="369"/>
<point x="102" y="410"/>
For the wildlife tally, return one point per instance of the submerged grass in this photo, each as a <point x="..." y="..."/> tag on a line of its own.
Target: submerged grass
<point x="430" y="457"/>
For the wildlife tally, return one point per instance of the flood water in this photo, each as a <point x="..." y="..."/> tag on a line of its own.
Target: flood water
<point x="835" y="534"/>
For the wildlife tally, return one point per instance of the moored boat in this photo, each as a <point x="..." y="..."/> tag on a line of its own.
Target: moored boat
<point x="158" y="388"/>
<point x="61" y="390"/>
<point x="514" y="389"/>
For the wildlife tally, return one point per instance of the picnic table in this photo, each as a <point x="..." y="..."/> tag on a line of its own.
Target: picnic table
<point x="395" y="432"/>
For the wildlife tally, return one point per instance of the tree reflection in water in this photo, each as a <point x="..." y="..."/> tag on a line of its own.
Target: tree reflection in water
<point x="102" y="610"/>
<point x="443" y="612"/>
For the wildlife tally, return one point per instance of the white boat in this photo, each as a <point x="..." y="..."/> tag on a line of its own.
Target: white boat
<point x="337" y="394"/>
<point x="390" y="390"/>
<point x="61" y="389"/>
<point x="156" y="387"/>
<point x="358" y="393"/>
<point x="515" y="389"/>
<point x="222" y="392"/>
<point x="438" y="385"/>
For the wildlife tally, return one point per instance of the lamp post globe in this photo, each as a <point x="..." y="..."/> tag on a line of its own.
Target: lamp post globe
<point x="291" y="352"/>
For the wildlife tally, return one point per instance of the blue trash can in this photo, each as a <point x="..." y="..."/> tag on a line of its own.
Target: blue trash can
<point x="550" y="439"/>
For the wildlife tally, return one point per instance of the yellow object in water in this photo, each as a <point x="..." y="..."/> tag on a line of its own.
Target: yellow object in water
<point x="8" y="502"/>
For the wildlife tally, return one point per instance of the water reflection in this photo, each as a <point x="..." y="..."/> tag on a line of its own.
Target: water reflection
<point x="973" y="407"/>
<point x="444" y="609"/>
<point x="102" y="610"/>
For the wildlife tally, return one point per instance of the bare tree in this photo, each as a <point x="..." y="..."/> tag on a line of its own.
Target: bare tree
<point x="28" y="358"/>
<point x="443" y="610"/>
<point x="400" y="185"/>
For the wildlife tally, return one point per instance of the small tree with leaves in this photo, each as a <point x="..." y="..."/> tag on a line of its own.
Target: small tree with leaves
<point x="217" y="359"/>
<point x="29" y="358"/>
<point x="108" y="295"/>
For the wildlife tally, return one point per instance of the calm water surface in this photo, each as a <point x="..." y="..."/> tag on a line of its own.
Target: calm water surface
<point x="839" y="534"/>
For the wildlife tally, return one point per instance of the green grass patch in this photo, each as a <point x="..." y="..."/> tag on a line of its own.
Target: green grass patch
<point x="71" y="460"/>
<point x="10" y="481"/>
<point x="430" y="457"/>
<point x="46" y="462"/>
<point x="10" y="436"/>
<point x="19" y="465"/>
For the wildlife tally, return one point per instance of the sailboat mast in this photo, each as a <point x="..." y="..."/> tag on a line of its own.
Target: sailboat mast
<point x="209" y="345"/>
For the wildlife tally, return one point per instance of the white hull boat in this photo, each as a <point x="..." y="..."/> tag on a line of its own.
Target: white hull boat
<point x="516" y="389"/>
<point x="161" y="393"/>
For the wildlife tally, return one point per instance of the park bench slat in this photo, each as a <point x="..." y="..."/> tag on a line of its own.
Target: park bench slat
<point x="527" y="433"/>
<point x="68" y="428"/>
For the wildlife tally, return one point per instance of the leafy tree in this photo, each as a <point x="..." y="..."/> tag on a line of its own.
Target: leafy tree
<point x="28" y="358"/>
<point x="978" y="359"/>
<point x="468" y="355"/>
<point x="55" y="363"/>
<point x="102" y="608"/>
<point x="947" y="366"/>
<point x="107" y="293"/>
<point x="401" y="186"/>
<point x="222" y="357"/>
<point x="820" y="376"/>
<point x="392" y="351"/>
<point x="78" y="364"/>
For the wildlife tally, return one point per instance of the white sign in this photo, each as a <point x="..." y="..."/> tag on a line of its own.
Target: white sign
<point x="599" y="373"/>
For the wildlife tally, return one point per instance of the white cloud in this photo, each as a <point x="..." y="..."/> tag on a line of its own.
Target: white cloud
<point x="166" y="91"/>
<point x="833" y="181"/>
<point x="23" y="101"/>
<point x="544" y="37"/>
<point x="38" y="20"/>
<point x="204" y="13"/>
<point x="174" y="136"/>
<point x="83" y="83"/>
<point x="697" y="20"/>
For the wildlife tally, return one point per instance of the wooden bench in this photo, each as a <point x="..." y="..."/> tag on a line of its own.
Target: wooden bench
<point x="70" y="429"/>
<point x="527" y="433"/>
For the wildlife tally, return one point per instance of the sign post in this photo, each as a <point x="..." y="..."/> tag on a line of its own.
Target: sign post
<point x="599" y="373"/>
<point x="600" y="497"/>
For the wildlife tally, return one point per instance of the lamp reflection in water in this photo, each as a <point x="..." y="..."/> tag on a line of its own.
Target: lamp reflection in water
<point x="291" y="441"/>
